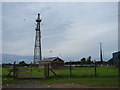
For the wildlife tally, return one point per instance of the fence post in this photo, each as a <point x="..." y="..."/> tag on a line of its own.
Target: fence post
<point x="95" y="68"/>
<point x="119" y="66"/>
<point x="16" y="72"/>
<point x="46" y="71"/>
<point x="70" y="69"/>
<point x="14" y="69"/>
<point x="118" y="71"/>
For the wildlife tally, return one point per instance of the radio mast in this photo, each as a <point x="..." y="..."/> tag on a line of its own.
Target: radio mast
<point x="37" y="48"/>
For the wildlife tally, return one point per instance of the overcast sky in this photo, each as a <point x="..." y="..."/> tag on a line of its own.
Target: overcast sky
<point x="69" y="30"/>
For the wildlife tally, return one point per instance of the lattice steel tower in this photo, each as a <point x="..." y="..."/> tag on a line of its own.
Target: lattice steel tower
<point x="37" y="48"/>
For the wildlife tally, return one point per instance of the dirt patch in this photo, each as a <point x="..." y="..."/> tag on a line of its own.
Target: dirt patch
<point x="66" y="85"/>
<point x="22" y="84"/>
<point x="33" y="84"/>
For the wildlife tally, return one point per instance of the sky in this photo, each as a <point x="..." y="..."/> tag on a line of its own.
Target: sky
<point x="70" y="30"/>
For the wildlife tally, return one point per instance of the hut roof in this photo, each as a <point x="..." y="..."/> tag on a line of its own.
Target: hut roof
<point x="52" y="59"/>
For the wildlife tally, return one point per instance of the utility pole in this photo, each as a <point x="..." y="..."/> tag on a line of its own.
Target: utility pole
<point x="50" y="53"/>
<point x="37" y="48"/>
<point x="101" y="56"/>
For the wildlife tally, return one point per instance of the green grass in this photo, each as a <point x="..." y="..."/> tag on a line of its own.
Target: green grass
<point x="5" y="79"/>
<point x="24" y="72"/>
<point x="88" y="81"/>
<point x="31" y="72"/>
<point x="106" y="76"/>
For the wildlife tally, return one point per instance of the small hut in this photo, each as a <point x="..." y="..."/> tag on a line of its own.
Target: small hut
<point x="54" y="62"/>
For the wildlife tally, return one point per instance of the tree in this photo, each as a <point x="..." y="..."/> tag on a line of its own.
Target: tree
<point x="22" y="63"/>
<point x="110" y="61"/>
<point x="89" y="60"/>
<point x="83" y="61"/>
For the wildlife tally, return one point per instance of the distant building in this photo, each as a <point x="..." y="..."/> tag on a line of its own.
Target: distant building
<point x="115" y="57"/>
<point x="54" y="62"/>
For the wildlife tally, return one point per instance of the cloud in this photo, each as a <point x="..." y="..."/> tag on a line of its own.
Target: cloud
<point x="86" y="41"/>
<point x="70" y="29"/>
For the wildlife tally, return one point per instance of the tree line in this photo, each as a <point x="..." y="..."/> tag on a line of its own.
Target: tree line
<point x="89" y="61"/>
<point x="21" y="63"/>
<point x="81" y="61"/>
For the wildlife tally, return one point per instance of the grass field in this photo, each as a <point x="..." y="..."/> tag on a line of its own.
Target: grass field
<point x="106" y="76"/>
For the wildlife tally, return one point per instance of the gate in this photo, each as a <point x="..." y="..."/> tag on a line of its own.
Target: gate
<point x="30" y="72"/>
<point x="33" y="72"/>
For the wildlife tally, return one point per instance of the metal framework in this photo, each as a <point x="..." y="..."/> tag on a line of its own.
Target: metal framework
<point x="37" y="48"/>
